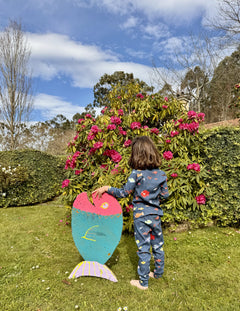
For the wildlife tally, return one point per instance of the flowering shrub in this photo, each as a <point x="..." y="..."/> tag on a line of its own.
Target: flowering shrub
<point x="99" y="155"/>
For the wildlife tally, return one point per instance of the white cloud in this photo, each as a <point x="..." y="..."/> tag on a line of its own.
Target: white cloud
<point x="50" y="106"/>
<point x="180" y="10"/>
<point x="131" y="22"/>
<point x="156" y="31"/>
<point x="54" y="55"/>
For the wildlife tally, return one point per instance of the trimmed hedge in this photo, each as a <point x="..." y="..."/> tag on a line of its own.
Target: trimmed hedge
<point x="29" y="177"/>
<point x="221" y="149"/>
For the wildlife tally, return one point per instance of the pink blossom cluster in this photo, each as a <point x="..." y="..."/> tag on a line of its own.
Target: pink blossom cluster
<point x="93" y="132"/>
<point x="127" y="143"/>
<point x="139" y="95"/>
<point x="167" y="155"/>
<point x="120" y="112"/>
<point x="201" y="199"/>
<point x="166" y="99"/>
<point x="111" y="127"/>
<point x="155" y="130"/>
<point x="168" y="141"/>
<point x="116" y="120"/>
<point x="65" y="183"/>
<point x="194" y="115"/>
<point x="194" y="166"/>
<point x="174" y="133"/>
<point x="80" y="121"/>
<point x="71" y="162"/>
<point x="174" y="175"/>
<point x="77" y="172"/>
<point x="135" y="125"/>
<point x="114" y="155"/>
<point x="121" y="131"/>
<point x="98" y="145"/>
<point x="191" y="127"/>
<point x="164" y="106"/>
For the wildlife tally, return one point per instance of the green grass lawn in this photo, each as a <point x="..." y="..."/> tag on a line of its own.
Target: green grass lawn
<point x="37" y="255"/>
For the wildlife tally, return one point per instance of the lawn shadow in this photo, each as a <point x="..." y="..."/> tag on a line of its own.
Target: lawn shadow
<point x="132" y="252"/>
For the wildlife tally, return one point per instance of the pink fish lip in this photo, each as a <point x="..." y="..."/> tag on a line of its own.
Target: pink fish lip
<point x="106" y="205"/>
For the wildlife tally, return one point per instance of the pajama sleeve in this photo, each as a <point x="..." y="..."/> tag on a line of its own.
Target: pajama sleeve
<point x="127" y="189"/>
<point x="164" y="194"/>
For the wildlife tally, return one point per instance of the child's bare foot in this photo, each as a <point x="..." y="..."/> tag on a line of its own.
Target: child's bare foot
<point x="138" y="285"/>
<point x="151" y="275"/>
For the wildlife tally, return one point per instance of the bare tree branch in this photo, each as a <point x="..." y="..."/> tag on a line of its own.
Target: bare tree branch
<point x="16" y="98"/>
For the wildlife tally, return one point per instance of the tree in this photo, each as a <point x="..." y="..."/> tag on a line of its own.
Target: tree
<point x="221" y="90"/>
<point x="194" y="85"/>
<point x="16" y="99"/>
<point x="228" y="18"/>
<point x="191" y="69"/>
<point x="107" y="82"/>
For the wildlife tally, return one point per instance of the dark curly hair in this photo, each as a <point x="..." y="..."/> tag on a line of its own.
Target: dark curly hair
<point x="144" y="154"/>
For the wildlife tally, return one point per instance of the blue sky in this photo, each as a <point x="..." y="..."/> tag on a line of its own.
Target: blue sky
<point x="75" y="42"/>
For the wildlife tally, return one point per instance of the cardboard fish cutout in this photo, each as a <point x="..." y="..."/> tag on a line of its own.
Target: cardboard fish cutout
<point x="96" y="231"/>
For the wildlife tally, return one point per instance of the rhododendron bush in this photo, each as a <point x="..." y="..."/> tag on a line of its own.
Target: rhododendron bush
<point x="99" y="153"/>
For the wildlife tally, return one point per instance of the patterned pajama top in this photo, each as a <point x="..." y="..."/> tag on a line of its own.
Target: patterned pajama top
<point x="149" y="188"/>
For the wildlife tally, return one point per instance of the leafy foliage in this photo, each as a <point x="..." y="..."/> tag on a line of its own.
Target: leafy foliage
<point x="29" y="177"/>
<point x="222" y="151"/>
<point x="99" y="153"/>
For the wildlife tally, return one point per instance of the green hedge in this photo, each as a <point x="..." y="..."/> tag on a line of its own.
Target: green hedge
<point x="29" y="177"/>
<point x="221" y="149"/>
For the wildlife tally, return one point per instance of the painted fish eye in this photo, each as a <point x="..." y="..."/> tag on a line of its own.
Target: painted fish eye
<point x="105" y="205"/>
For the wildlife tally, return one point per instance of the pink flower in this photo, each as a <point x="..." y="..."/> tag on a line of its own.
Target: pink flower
<point x="116" y="120"/>
<point x="65" y="183"/>
<point x="168" y="141"/>
<point x="92" y="151"/>
<point x="200" y="116"/>
<point x="77" y="172"/>
<point x="129" y="207"/>
<point x="174" y="175"/>
<point x="139" y="95"/>
<point x="76" y="137"/>
<point x="95" y="129"/>
<point x="104" y="109"/>
<point x="135" y="125"/>
<point x="119" y="97"/>
<point x="121" y="131"/>
<point x="174" y="133"/>
<point x="164" y="106"/>
<point x="114" y="155"/>
<point x="114" y="171"/>
<point x="167" y="155"/>
<point x="127" y="143"/>
<point x="98" y="145"/>
<point x="154" y="130"/>
<point x="88" y="115"/>
<point x="90" y="136"/>
<point x="166" y="99"/>
<point x="104" y="166"/>
<point x="111" y="127"/>
<point x="194" y="166"/>
<point x="80" y="120"/>
<point x="120" y="112"/>
<point x="192" y="114"/>
<point x="146" y="127"/>
<point x="201" y="199"/>
<point x="192" y="127"/>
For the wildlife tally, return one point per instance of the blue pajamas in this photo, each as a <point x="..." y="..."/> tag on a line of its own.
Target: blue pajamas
<point x="149" y="189"/>
<point x="148" y="232"/>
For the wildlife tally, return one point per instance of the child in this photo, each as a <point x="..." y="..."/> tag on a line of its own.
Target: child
<point x="149" y="186"/>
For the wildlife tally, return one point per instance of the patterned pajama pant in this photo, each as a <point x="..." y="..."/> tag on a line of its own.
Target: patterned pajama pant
<point x="148" y="232"/>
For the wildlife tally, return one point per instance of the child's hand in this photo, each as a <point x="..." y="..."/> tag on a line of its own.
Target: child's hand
<point x="99" y="192"/>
